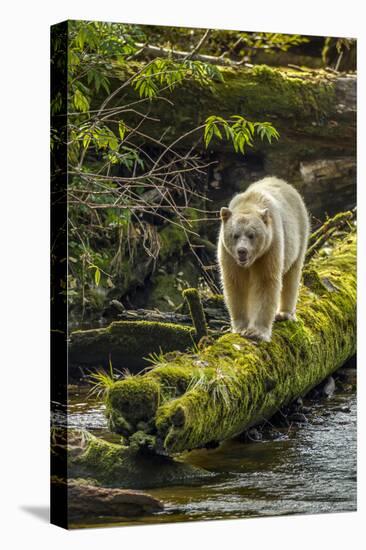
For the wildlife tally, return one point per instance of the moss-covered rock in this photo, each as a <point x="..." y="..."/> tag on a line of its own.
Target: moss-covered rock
<point x="113" y="465"/>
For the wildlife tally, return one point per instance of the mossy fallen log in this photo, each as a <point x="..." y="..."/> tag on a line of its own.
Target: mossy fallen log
<point x="308" y="104"/>
<point x="216" y="316"/>
<point x="198" y="399"/>
<point x="314" y="112"/>
<point x="125" y="343"/>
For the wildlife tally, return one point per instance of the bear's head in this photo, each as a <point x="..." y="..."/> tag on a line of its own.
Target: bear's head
<point x="246" y="235"/>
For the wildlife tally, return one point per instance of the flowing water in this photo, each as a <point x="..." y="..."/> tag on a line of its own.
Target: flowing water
<point x="309" y="468"/>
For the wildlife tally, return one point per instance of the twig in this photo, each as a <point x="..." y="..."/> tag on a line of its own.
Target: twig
<point x="199" y="45"/>
<point x="319" y="237"/>
<point x="337" y="221"/>
<point x="159" y="51"/>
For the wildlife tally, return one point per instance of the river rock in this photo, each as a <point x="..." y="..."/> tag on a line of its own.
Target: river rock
<point x="329" y="387"/>
<point x="90" y="501"/>
<point x="298" y="417"/>
<point x="347" y="374"/>
<point x="254" y="435"/>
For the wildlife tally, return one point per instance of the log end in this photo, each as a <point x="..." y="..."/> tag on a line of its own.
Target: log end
<point x="131" y="401"/>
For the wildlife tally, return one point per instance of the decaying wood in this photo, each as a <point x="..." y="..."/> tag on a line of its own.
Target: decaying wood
<point x="216" y="317"/>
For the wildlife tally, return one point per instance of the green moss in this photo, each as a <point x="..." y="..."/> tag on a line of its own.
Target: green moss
<point x="292" y="100"/>
<point x="141" y="442"/>
<point x="263" y="85"/>
<point x="339" y="220"/>
<point x="139" y="401"/>
<point x="234" y="383"/>
<point x="313" y="282"/>
<point x="268" y="90"/>
<point x="136" y="399"/>
<point x="196" y="311"/>
<point x="114" y="465"/>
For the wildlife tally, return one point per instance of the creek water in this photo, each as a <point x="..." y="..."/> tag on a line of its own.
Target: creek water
<point x="308" y="469"/>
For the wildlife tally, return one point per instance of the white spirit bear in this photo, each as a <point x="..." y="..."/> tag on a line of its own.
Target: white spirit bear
<point x="262" y="244"/>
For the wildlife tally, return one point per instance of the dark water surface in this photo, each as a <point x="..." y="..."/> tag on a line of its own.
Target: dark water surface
<point x="310" y="469"/>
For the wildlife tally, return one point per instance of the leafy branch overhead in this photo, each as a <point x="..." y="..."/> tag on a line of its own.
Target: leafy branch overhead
<point x="240" y="131"/>
<point x="128" y="177"/>
<point x="167" y="73"/>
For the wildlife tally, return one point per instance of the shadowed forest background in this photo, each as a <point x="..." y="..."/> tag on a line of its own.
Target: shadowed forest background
<point x="165" y="124"/>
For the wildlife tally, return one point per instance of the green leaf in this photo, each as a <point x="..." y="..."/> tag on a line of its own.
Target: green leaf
<point x="122" y="129"/>
<point x="97" y="276"/>
<point x="217" y="131"/>
<point x="86" y="141"/>
<point x="80" y="101"/>
<point x="239" y="130"/>
<point x="208" y="134"/>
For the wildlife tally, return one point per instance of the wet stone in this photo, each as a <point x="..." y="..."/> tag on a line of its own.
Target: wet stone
<point x="297" y="405"/>
<point x="329" y="387"/>
<point x="347" y="373"/>
<point x="298" y="417"/>
<point x="343" y="408"/>
<point x="254" y="435"/>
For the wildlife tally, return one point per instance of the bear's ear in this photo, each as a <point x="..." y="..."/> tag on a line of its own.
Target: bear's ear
<point x="265" y="216"/>
<point x="225" y="213"/>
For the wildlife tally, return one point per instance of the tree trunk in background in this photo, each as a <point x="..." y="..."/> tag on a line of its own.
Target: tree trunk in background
<point x="314" y="111"/>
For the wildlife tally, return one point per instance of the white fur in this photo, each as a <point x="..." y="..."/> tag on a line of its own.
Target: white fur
<point x="269" y="221"/>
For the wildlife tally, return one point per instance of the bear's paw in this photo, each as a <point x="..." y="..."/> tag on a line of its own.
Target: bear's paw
<point x="257" y="334"/>
<point x="285" y="316"/>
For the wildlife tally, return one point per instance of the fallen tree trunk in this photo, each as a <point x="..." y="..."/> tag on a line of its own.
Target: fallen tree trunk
<point x="198" y="399"/>
<point x="314" y="112"/>
<point x="126" y="343"/>
<point x="215" y="316"/>
<point x="303" y="105"/>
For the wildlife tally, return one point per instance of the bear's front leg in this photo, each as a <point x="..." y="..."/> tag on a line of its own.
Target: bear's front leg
<point x="290" y="289"/>
<point x="263" y="302"/>
<point x="235" y="294"/>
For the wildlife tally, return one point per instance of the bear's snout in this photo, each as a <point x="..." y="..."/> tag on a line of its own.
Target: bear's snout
<point x="242" y="254"/>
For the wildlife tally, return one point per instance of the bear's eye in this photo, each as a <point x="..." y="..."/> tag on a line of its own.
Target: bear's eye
<point x="236" y="236"/>
<point x="250" y="236"/>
